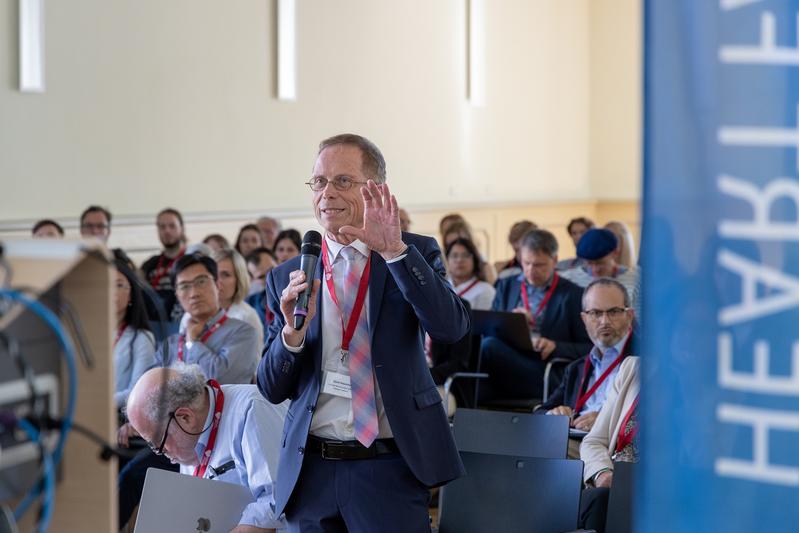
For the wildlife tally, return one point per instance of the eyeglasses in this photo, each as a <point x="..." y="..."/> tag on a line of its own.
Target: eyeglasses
<point x="199" y="283"/>
<point x="122" y="287"/>
<point x="90" y="226"/>
<point x="455" y="257"/>
<point x="614" y="313"/>
<point x="160" y="449"/>
<point x="341" y="183"/>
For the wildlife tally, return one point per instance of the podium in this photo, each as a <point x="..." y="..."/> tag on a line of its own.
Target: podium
<point x="80" y="274"/>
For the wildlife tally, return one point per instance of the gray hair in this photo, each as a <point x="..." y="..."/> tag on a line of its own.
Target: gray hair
<point x="541" y="241"/>
<point x="183" y="387"/>
<point x="374" y="165"/>
<point x="607" y="282"/>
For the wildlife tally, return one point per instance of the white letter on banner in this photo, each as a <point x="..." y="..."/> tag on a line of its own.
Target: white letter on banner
<point x="729" y="5"/>
<point x="767" y="52"/>
<point x="768" y="137"/>
<point x="752" y="274"/>
<point x="761" y="226"/>
<point x="760" y="380"/>
<point x="761" y="421"/>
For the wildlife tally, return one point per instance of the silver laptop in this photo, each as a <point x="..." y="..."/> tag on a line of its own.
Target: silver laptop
<point x="173" y="502"/>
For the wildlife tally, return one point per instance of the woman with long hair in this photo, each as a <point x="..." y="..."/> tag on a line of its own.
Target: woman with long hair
<point x="466" y="274"/>
<point x="234" y="286"/>
<point x="134" y="343"/>
<point x="249" y="239"/>
<point x="287" y="245"/>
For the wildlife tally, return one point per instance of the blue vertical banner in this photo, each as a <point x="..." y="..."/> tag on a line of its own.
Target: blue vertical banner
<point x="720" y="261"/>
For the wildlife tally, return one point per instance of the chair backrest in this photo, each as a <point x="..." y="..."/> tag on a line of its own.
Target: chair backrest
<point x="505" y="433"/>
<point x="512" y="493"/>
<point x="620" y="501"/>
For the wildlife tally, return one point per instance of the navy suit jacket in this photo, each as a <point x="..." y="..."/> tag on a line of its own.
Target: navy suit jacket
<point x="569" y="389"/>
<point x="406" y="298"/>
<point x="561" y="321"/>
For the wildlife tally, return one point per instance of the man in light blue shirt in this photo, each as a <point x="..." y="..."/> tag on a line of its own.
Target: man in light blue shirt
<point x="174" y="409"/>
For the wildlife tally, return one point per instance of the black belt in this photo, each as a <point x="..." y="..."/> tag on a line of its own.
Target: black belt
<point x="349" y="450"/>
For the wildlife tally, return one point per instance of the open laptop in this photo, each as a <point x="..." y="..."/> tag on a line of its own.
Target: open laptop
<point x="509" y="327"/>
<point x="180" y="503"/>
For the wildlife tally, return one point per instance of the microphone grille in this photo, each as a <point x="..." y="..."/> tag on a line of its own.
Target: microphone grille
<point x="312" y="243"/>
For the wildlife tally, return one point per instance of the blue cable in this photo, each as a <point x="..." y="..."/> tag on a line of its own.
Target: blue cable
<point x="51" y="320"/>
<point x="49" y="476"/>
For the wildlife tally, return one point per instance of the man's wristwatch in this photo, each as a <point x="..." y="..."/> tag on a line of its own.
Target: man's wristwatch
<point x="593" y="479"/>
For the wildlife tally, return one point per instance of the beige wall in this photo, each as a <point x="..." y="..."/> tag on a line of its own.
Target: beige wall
<point x="156" y="103"/>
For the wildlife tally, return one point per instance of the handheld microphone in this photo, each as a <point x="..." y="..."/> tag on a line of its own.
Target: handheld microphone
<point x="311" y="248"/>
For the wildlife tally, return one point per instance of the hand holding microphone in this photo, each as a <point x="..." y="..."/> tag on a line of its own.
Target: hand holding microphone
<point x="299" y="297"/>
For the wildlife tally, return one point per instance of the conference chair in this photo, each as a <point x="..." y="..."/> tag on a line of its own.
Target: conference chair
<point x="509" y="433"/>
<point x="512" y="493"/>
<point x="620" y="500"/>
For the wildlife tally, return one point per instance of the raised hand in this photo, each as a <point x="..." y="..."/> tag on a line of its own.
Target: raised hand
<point x="381" y="226"/>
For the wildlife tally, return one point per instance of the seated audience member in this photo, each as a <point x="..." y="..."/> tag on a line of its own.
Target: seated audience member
<point x="599" y="252"/>
<point x="216" y="242"/>
<point x="612" y="439"/>
<point x="462" y="230"/>
<point x="627" y="255"/>
<point x="229" y="433"/>
<point x="269" y="227"/>
<point x="576" y="228"/>
<point x="447" y="220"/>
<point x="259" y="263"/>
<point x="95" y="221"/>
<point x="134" y="343"/>
<point x="169" y="223"/>
<point x="249" y="239"/>
<point x="405" y="220"/>
<point x="512" y="267"/>
<point x="225" y="348"/>
<point x="551" y="305"/>
<point x="608" y="319"/>
<point x="47" y="229"/>
<point x="466" y="276"/>
<point x="234" y="285"/>
<point x="287" y="245"/>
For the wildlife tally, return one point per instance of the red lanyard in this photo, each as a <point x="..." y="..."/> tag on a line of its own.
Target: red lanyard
<point x="467" y="289"/>
<point x="207" y="335"/>
<point x="120" y="331"/>
<point x="352" y="323"/>
<point x="219" y="404"/>
<point x="626" y="437"/>
<point x="161" y="271"/>
<point x="543" y="304"/>
<point x="590" y="392"/>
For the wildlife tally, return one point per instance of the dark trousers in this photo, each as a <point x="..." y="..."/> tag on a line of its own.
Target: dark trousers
<point x="594" y="508"/>
<point x="130" y="482"/>
<point x="513" y="374"/>
<point x="358" y="496"/>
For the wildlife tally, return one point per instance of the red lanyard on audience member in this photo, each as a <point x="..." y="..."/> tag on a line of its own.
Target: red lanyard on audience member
<point x="542" y="305"/>
<point x="590" y="392"/>
<point x="352" y="322"/>
<point x="160" y="271"/>
<point x="626" y="437"/>
<point x="207" y="335"/>
<point x="219" y="404"/>
<point x="120" y="331"/>
<point x="467" y="289"/>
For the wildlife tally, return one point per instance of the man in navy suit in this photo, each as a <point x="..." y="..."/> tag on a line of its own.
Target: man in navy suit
<point x="552" y="307"/>
<point x="365" y="435"/>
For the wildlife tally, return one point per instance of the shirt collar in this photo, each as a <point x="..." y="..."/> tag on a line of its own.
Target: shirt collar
<point x="334" y="248"/>
<point x="595" y="354"/>
<point x="202" y="442"/>
<point x="522" y="279"/>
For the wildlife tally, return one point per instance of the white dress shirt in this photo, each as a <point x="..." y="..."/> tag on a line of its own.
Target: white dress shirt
<point x="481" y="296"/>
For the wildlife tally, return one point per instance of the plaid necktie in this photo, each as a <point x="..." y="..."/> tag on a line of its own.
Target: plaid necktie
<point x="364" y="411"/>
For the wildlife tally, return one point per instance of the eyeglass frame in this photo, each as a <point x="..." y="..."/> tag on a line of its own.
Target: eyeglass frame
<point x="194" y="284"/>
<point x="160" y="449"/>
<point x="337" y="183"/>
<point x="90" y="225"/>
<point x="614" y="313"/>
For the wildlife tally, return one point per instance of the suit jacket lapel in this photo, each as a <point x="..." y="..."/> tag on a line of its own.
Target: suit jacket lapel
<point x="377" y="282"/>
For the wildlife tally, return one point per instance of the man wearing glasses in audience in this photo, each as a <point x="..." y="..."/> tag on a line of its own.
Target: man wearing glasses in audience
<point x="608" y="320"/>
<point x="224" y="432"/>
<point x="225" y="348"/>
<point x="95" y="221"/>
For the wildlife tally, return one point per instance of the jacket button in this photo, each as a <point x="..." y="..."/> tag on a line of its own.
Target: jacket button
<point x="301" y="450"/>
<point x="311" y="408"/>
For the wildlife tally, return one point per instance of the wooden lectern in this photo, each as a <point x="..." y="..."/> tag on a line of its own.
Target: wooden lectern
<point x="86" y="496"/>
